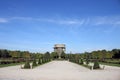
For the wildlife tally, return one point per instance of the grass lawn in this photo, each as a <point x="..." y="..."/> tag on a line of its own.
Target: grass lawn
<point x="12" y="64"/>
<point x="110" y="64"/>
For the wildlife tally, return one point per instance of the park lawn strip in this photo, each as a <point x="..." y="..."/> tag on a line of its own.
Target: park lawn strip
<point x="110" y="64"/>
<point x="11" y="64"/>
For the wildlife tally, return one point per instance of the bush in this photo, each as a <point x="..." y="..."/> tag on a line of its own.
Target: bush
<point x="34" y="63"/>
<point x="96" y="65"/>
<point x="27" y="65"/>
<point x="39" y="61"/>
<point x="87" y="61"/>
<point x="81" y="61"/>
<point x="43" y="60"/>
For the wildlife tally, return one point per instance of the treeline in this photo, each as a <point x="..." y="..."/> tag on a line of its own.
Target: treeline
<point x="4" y="54"/>
<point x="14" y="54"/>
<point x="8" y="56"/>
<point x="99" y="54"/>
<point x="103" y="56"/>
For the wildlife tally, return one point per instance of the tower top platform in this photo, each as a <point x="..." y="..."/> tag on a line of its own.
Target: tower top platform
<point x="59" y="45"/>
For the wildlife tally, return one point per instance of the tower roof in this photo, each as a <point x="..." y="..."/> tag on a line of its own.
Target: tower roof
<point x="59" y="45"/>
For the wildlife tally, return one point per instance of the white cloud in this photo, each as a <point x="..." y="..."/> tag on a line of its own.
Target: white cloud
<point x="100" y="20"/>
<point x="117" y="23"/>
<point x="3" y="20"/>
<point x="71" y="22"/>
<point x="21" y="18"/>
<point x="61" y="21"/>
<point x="106" y="20"/>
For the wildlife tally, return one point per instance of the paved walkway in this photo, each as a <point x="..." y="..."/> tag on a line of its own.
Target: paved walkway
<point x="59" y="70"/>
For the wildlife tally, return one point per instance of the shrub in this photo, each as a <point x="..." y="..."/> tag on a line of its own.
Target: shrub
<point x="42" y="60"/>
<point x="34" y="63"/>
<point x="87" y="61"/>
<point x="39" y="61"/>
<point x="96" y="65"/>
<point x="81" y="61"/>
<point x="27" y="65"/>
<point x="76" y="61"/>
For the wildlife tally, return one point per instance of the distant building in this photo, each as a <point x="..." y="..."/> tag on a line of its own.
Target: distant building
<point x="59" y="48"/>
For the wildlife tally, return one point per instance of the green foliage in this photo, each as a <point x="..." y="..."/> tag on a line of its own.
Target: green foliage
<point x="47" y="55"/>
<point x="27" y="65"/>
<point x="63" y="55"/>
<point x="81" y="61"/>
<point x="42" y="60"/>
<point x="34" y="63"/>
<point x="87" y="61"/>
<point x="54" y="55"/>
<point x="96" y="65"/>
<point x="116" y="53"/>
<point x="39" y="61"/>
<point x="4" y="53"/>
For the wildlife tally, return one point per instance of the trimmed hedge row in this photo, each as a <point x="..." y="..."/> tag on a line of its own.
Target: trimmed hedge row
<point x="35" y="63"/>
<point x="81" y="62"/>
<point x="9" y="62"/>
<point x="27" y="65"/>
<point x="113" y="62"/>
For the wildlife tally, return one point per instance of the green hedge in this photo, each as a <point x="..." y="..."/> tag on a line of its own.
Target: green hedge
<point x="96" y="65"/>
<point x="27" y="65"/>
<point x="34" y="63"/>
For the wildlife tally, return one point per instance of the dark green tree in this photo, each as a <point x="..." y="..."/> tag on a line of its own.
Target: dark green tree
<point x="39" y="61"/>
<point x="116" y="53"/>
<point x="63" y="55"/>
<point x="54" y="55"/>
<point x="34" y="63"/>
<point x="96" y="65"/>
<point x="81" y="61"/>
<point x="27" y="65"/>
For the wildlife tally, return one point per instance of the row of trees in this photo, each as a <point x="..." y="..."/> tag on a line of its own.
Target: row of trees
<point x="22" y="54"/>
<point x="14" y="54"/>
<point x="100" y="54"/>
<point x="35" y="63"/>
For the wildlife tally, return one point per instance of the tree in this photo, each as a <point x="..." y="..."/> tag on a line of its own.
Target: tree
<point x="17" y="54"/>
<point x="27" y="65"/>
<point x="26" y="54"/>
<point x="116" y="53"/>
<point x="0" y="54"/>
<point x="96" y="65"/>
<point x="76" y="57"/>
<point x="54" y="55"/>
<point x="104" y="54"/>
<point x="4" y="54"/>
<point x="63" y="55"/>
<point x="87" y="61"/>
<point x="94" y="55"/>
<point x="81" y="61"/>
<point x="39" y="61"/>
<point x="47" y="55"/>
<point x="109" y="55"/>
<point x="34" y="63"/>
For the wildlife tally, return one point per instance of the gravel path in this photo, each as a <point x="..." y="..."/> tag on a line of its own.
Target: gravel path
<point x="59" y="70"/>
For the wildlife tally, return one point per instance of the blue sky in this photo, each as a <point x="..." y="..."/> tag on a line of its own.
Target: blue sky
<point x="36" y="25"/>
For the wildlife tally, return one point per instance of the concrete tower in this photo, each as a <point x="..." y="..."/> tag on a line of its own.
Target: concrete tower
<point x="59" y="48"/>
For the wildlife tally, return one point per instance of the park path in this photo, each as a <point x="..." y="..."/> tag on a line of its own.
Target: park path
<point x="59" y="70"/>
